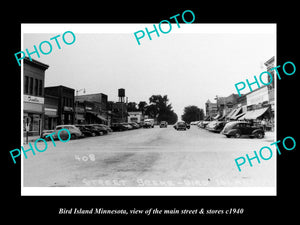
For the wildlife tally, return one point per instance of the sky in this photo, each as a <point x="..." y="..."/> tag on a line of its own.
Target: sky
<point x="190" y="67"/>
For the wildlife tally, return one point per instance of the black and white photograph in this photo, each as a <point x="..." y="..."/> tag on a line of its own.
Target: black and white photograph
<point x="149" y="111"/>
<point x="128" y="109"/>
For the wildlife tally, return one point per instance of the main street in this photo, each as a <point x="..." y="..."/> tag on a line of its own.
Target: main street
<point x="150" y="157"/>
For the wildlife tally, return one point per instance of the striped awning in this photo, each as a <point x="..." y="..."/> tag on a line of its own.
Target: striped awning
<point x="254" y="114"/>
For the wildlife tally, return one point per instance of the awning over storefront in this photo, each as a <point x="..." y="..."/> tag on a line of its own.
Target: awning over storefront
<point x="50" y="112"/>
<point x="217" y="116"/>
<point x="254" y="114"/>
<point x="101" y="117"/>
<point x="80" y="116"/>
<point x="236" y="113"/>
<point x="91" y="112"/>
<point x="230" y="114"/>
<point x="97" y="115"/>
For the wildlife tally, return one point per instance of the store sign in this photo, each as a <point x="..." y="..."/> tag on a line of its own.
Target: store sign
<point x="50" y="112"/>
<point x="33" y="99"/>
<point x="258" y="96"/>
<point x="67" y="108"/>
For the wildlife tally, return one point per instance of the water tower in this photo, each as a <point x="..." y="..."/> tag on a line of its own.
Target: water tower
<point x="121" y="94"/>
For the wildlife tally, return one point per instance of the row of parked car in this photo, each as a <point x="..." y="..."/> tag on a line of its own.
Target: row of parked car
<point x="77" y="131"/>
<point x="91" y="130"/>
<point x="87" y="130"/>
<point x="235" y="129"/>
<point x="125" y="126"/>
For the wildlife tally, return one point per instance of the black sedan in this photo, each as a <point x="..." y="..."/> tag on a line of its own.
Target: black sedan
<point x="180" y="125"/>
<point x="118" y="127"/>
<point x="240" y="128"/>
<point x="86" y="132"/>
<point x="93" y="129"/>
<point x="216" y="126"/>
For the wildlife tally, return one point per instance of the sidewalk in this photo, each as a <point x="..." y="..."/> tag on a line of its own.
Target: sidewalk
<point x="269" y="136"/>
<point x="30" y="138"/>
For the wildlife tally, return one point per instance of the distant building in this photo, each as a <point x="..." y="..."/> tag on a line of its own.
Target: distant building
<point x="136" y="117"/>
<point x="211" y="109"/>
<point x="117" y="112"/>
<point x="225" y="104"/>
<point x="91" y="108"/>
<point x="33" y="96"/>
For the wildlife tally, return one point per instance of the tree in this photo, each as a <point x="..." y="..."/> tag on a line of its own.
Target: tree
<point x="142" y="106"/>
<point x="131" y="107"/>
<point x="192" y="113"/>
<point x="160" y="110"/>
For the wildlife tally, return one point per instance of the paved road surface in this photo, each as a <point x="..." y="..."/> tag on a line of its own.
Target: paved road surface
<point x="150" y="157"/>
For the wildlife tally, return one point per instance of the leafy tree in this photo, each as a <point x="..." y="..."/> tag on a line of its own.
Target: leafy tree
<point x="160" y="110"/>
<point x="142" y="106"/>
<point x="192" y="113"/>
<point x="132" y="107"/>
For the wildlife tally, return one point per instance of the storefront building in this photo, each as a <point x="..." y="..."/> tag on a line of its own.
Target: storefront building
<point x="271" y="87"/>
<point x="33" y="96"/>
<point x="136" y="117"/>
<point x="259" y="107"/>
<point x="65" y="107"/>
<point x="79" y="112"/>
<point x="91" y="108"/>
<point x="51" y="112"/>
<point x="211" y="109"/>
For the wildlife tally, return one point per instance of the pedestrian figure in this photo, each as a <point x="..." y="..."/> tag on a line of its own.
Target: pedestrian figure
<point x="264" y="124"/>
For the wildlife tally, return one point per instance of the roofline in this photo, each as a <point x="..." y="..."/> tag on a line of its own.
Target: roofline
<point x="36" y="63"/>
<point x="60" y="86"/>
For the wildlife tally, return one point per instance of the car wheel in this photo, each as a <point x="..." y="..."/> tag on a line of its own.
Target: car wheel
<point x="93" y="134"/>
<point x="228" y="136"/>
<point x="259" y="135"/>
<point x="46" y="138"/>
<point x="237" y="135"/>
<point x="73" y="136"/>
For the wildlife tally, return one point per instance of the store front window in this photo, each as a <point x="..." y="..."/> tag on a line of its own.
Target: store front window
<point x="35" y="124"/>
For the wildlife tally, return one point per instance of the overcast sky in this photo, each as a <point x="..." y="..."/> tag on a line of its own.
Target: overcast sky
<point x="188" y="67"/>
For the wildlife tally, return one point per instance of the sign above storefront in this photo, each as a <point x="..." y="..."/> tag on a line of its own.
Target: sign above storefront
<point x="68" y="109"/>
<point x="33" y="99"/>
<point x="258" y="96"/>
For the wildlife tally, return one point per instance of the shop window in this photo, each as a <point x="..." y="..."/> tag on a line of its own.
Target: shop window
<point x="30" y="85"/>
<point x="26" y="81"/>
<point x="36" y="86"/>
<point x="40" y="88"/>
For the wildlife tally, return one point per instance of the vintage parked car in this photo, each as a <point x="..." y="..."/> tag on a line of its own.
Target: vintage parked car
<point x="45" y="133"/>
<point x="181" y="125"/>
<point x="240" y="128"/>
<point x="118" y="127"/>
<point x="74" y="131"/>
<point x="129" y="127"/>
<point x="103" y="126"/>
<point x="98" y="130"/>
<point x="216" y="126"/>
<point x="148" y="123"/>
<point x="194" y="122"/>
<point x="86" y="132"/>
<point x="188" y="126"/>
<point x="203" y="124"/>
<point x="134" y="125"/>
<point x="163" y="124"/>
